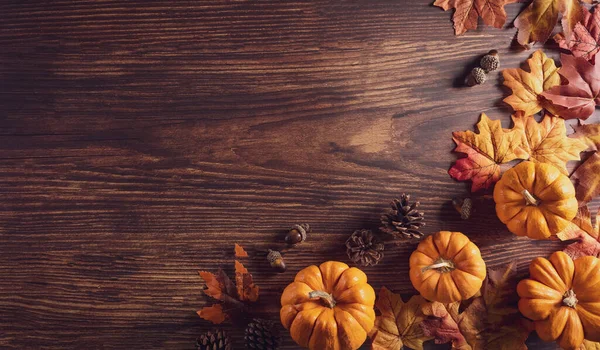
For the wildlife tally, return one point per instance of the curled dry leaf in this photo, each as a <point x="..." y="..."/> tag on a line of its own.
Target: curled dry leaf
<point x="537" y="21"/>
<point x="441" y="325"/>
<point x="468" y="12"/>
<point x="587" y="179"/>
<point x="398" y="323"/>
<point x="485" y="151"/>
<point x="584" y="40"/>
<point x="527" y="86"/>
<point x="586" y="235"/>
<point x="577" y="99"/>
<point x="547" y="141"/>
<point x="239" y="251"/>
<point x="588" y="134"/>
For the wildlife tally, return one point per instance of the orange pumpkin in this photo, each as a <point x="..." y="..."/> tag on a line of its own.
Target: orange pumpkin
<point x="447" y="267"/>
<point x="329" y="307"/>
<point x="535" y="200"/>
<point x="561" y="297"/>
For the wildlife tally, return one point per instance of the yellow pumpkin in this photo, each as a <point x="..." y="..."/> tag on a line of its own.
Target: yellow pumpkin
<point x="329" y="307"/>
<point x="447" y="267"/>
<point x="562" y="297"/>
<point x="535" y="200"/>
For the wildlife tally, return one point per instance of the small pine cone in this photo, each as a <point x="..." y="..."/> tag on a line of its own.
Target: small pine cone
<point x="403" y="220"/>
<point x="476" y="77"/>
<point x="490" y="62"/>
<point x="262" y="335"/>
<point x="364" y="248"/>
<point x="214" y="340"/>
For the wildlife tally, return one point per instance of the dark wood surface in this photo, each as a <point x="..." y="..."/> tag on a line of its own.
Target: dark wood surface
<point x="140" y="139"/>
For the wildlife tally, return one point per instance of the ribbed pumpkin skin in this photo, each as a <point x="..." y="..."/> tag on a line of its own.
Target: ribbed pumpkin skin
<point x="460" y="283"/>
<point x="543" y="299"/>
<point x="555" y="192"/>
<point x="316" y="326"/>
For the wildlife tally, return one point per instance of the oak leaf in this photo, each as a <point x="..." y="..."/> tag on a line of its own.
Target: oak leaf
<point x="485" y="151"/>
<point x="577" y="99"/>
<point x="239" y="251"/>
<point x="213" y="313"/>
<point x="247" y="290"/>
<point x="587" y="179"/>
<point x="586" y="235"/>
<point x="537" y="21"/>
<point x="527" y="86"/>
<point x="398" y="324"/>
<point x="467" y="13"/>
<point x="584" y="40"/>
<point x="547" y="141"/>
<point x="589" y="134"/>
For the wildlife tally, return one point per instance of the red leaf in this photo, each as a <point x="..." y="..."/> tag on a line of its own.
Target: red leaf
<point x="584" y="41"/>
<point x="577" y="99"/>
<point x="440" y="325"/>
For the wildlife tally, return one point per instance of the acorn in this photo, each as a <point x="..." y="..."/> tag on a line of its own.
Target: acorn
<point x="476" y="77"/>
<point x="276" y="260"/>
<point x="297" y="234"/>
<point x="464" y="206"/>
<point x="490" y="62"/>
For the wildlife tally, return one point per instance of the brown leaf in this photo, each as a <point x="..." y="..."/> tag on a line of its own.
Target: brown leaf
<point x="240" y="252"/>
<point x="582" y="230"/>
<point x="547" y="141"/>
<point x="527" y="86"/>
<point x="492" y="146"/>
<point x="218" y="286"/>
<point x="584" y="41"/>
<point x="468" y="12"/>
<point x="587" y="179"/>
<point x="398" y="324"/>
<point x="213" y="313"/>
<point x="247" y="290"/>
<point x="579" y="97"/>
<point x="440" y="325"/>
<point x="588" y="134"/>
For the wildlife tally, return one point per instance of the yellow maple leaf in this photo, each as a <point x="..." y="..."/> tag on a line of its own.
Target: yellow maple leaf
<point x="589" y="345"/>
<point x="547" y="141"/>
<point x="399" y="322"/>
<point x="537" y="21"/>
<point x="485" y="151"/>
<point x="527" y="86"/>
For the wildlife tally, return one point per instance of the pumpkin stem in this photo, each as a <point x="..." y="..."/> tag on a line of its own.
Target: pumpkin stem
<point x="569" y="299"/>
<point x="529" y="198"/>
<point x="325" y="297"/>
<point x="441" y="264"/>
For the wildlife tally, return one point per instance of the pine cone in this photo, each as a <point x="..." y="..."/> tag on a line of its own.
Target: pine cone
<point x="262" y="335"/>
<point x="214" y="340"/>
<point x="403" y="220"/>
<point x="364" y="248"/>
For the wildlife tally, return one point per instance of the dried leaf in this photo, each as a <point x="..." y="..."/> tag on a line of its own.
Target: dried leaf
<point x="492" y="146"/>
<point x="240" y="252"/>
<point x="536" y="22"/>
<point x="440" y="325"/>
<point x="590" y="345"/>
<point x="398" y="324"/>
<point x="527" y="86"/>
<point x="582" y="230"/>
<point x="246" y="288"/>
<point x="577" y="99"/>
<point x="584" y="40"/>
<point x="587" y="179"/>
<point x="213" y="313"/>
<point x="468" y="12"/>
<point x="218" y="286"/>
<point x="589" y="134"/>
<point x="547" y="141"/>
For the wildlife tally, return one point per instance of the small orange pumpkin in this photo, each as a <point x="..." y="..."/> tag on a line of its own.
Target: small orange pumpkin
<point x="535" y="200"/>
<point x="329" y="307"/>
<point x="561" y="297"/>
<point x="447" y="267"/>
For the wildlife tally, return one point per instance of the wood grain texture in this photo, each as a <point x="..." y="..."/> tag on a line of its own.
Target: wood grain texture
<point x="140" y="139"/>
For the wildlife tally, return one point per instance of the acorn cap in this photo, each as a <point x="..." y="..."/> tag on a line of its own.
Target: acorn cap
<point x="490" y="62"/>
<point x="476" y="77"/>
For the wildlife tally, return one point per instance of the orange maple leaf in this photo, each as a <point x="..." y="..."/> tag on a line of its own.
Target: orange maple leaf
<point x="213" y="313"/>
<point x="547" y="141"/>
<point x="246" y="288"/>
<point x="398" y="324"/>
<point x="527" y="86"/>
<point x="587" y="236"/>
<point x="584" y="40"/>
<point x="468" y="12"/>
<point x="587" y="179"/>
<point x="589" y="134"/>
<point x="239" y="251"/>
<point x="213" y="287"/>
<point x="537" y="21"/>
<point x="492" y="146"/>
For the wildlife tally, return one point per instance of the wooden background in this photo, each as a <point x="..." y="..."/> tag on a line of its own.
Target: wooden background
<point x="140" y="139"/>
